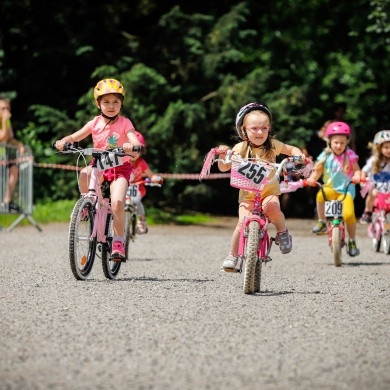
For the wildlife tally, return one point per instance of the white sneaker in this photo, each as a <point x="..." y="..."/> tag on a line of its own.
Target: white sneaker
<point x="229" y="265"/>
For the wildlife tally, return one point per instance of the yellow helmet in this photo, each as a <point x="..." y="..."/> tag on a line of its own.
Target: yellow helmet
<point x="106" y="86"/>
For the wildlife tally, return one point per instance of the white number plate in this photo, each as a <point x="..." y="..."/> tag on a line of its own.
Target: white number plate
<point x="253" y="172"/>
<point x="383" y="187"/>
<point x="333" y="208"/>
<point x="109" y="161"/>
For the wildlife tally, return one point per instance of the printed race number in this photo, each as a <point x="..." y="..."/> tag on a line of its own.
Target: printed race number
<point x="383" y="187"/>
<point x="253" y="172"/>
<point x="333" y="208"/>
<point x="133" y="190"/>
<point x="111" y="160"/>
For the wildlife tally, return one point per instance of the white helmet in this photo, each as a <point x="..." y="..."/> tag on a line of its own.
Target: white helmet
<point x="381" y="137"/>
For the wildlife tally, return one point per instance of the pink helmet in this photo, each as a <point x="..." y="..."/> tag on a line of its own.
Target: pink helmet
<point x="141" y="138"/>
<point x="338" y="128"/>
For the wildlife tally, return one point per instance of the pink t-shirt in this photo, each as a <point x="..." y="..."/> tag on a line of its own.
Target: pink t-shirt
<point x="139" y="167"/>
<point x="111" y="135"/>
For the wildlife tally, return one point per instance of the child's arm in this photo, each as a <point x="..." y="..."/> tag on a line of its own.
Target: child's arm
<point x="290" y="150"/>
<point x="357" y="173"/>
<point x="154" y="178"/>
<point x="75" y="137"/>
<point x="315" y="175"/>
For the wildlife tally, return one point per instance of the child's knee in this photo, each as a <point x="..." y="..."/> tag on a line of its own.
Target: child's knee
<point x="272" y="210"/>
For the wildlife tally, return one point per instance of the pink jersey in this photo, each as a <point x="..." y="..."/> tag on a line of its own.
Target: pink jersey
<point x="139" y="167"/>
<point x="111" y="135"/>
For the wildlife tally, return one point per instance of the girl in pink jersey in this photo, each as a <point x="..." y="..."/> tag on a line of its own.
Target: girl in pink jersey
<point x="140" y="171"/>
<point x="109" y="130"/>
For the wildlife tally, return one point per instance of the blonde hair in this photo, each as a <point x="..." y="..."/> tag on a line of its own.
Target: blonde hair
<point x="379" y="158"/>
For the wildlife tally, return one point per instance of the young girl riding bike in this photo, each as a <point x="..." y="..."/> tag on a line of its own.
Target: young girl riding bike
<point x="377" y="163"/>
<point x="253" y="126"/>
<point x="109" y="130"/>
<point x="338" y="164"/>
<point x="140" y="171"/>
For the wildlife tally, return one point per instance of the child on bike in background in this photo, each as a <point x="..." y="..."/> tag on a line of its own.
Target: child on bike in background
<point x="253" y="127"/>
<point x="338" y="165"/>
<point x="377" y="163"/>
<point x="140" y="171"/>
<point x="109" y="130"/>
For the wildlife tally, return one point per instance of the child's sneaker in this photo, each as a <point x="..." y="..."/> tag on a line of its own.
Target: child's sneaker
<point x="366" y="218"/>
<point x="118" y="251"/>
<point x="229" y="264"/>
<point x="352" y="249"/>
<point x="319" y="228"/>
<point x="142" y="227"/>
<point x="284" y="241"/>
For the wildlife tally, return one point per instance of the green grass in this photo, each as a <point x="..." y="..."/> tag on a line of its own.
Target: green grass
<point x="60" y="211"/>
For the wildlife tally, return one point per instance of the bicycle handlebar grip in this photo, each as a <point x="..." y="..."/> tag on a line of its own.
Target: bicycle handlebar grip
<point x="137" y="148"/>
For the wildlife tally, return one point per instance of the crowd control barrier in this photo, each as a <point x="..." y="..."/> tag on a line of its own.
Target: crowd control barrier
<point x="23" y="194"/>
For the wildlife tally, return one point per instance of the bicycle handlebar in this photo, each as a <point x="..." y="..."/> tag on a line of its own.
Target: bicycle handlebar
<point x="297" y="160"/>
<point x="71" y="148"/>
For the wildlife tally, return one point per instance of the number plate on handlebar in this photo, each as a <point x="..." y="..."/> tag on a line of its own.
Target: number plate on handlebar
<point x="333" y="209"/>
<point x="108" y="161"/>
<point x="249" y="176"/>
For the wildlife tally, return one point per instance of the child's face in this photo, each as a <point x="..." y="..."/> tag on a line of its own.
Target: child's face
<point x="338" y="144"/>
<point x="385" y="149"/>
<point x="136" y="155"/>
<point x="257" y="127"/>
<point x="110" y="104"/>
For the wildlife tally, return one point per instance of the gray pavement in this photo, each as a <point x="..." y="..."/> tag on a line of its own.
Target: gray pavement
<point x="173" y="320"/>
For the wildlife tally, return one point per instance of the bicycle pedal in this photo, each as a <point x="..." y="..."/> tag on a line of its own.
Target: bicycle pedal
<point x="118" y="258"/>
<point x="266" y="259"/>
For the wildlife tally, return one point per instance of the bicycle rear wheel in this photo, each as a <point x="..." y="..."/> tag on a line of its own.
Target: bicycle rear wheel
<point x="82" y="248"/>
<point x="130" y="225"/>
<point x="251" y="258"/>
<point x="336" y="245"/>
<point x="110" y="268"/>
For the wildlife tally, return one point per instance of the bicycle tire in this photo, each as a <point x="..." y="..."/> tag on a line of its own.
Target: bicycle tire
<point x="110" y="268"/>
<point x="251" y="257"/>
<point x="336" y="245"/>
<point x="130" y="225"/>
<point x="376" y="235"/>
<point x="386" y="235"/>
<point x="82" y="249"/>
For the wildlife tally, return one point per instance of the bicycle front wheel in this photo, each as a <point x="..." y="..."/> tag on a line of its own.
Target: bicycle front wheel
<point x="251" y="258"/>
<point x="336" y="245"/>
<point x="110" y="268"/>
<point x="376" y="235"/>
<point x="386" y="235"/>
<point x="82" y="248"/>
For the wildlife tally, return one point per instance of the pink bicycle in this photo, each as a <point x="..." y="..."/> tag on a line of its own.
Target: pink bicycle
<point x="379" y="228"/>
<point x="254" y="243"/>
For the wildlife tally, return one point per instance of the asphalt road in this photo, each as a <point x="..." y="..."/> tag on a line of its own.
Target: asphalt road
<point x="173" y="320"/>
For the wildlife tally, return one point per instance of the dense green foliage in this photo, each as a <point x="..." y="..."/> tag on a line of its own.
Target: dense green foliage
<point x="187" y="68"/>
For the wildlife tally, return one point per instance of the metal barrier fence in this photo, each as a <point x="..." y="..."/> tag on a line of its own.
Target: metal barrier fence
<point x="12" y="161"/>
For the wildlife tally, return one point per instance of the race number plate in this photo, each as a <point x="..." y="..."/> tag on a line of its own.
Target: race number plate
<point x="333" y="209"/>
<point x="133" y="190"/>
<point x="109" y="161"/>
<point x="253" y="172"/>
<point x="383" y="187"/>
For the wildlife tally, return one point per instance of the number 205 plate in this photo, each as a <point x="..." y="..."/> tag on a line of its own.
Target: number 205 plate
<point x="333" y="208"/>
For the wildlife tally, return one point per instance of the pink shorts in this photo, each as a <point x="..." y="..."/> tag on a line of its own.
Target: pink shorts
<point x="114" y="173"/>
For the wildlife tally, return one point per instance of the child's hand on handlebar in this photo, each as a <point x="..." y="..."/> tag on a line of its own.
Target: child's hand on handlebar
<point x="311" y="182"/>
<point x="222" y="149"/>
<point x="156" y="179"/>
